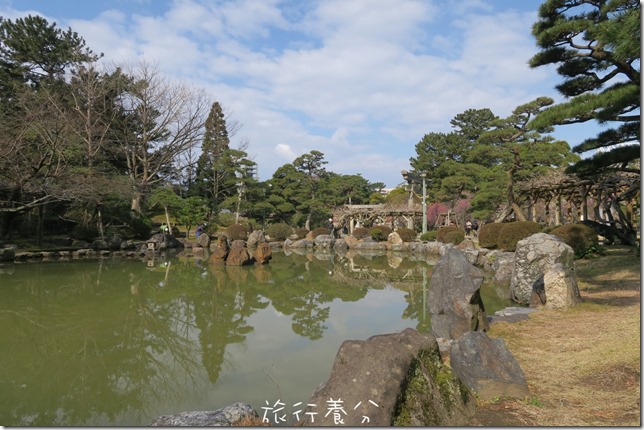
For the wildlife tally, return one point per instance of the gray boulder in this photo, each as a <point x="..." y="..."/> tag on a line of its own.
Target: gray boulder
<point x="325" y="241"/>
<point x="227" y="416"/>
<point x="391" y="379"/>
<point x="454" y="299"/>
<point x="7" y="254"/>
<point x="533" y="256"/>
<point x="203" y="241"/>
<point x="165" y="241"/>
<point x="560" y="288"/>
<point x="394" y="239"/>
<point x="256" y="237"/>
<point x="487" y="367"/>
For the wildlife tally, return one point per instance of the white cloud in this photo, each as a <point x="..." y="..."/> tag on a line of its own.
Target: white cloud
<point x="361" y="81"/>
<point x="285" y="151"/>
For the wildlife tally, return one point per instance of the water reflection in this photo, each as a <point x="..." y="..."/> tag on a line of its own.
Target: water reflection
<point x="120" y="342"/>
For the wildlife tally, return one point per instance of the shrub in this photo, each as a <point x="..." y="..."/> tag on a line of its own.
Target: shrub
<point x="237" y="232"/>
<point x="442" y="232"/>
<point x="320" y="231"/>
<point x="301" y="232"/>
<point x="581" y="238"/>
<point x="140" y="228"/>
<point x="455" y="236"/>
<point x="513" y="232"/>
<point x="377" y="234"/>
<point x="85" y="232"/>
<point x="489" y="235"/>
<point x="429" y="236"/>
<point x="279" y="231"/>
<point x="384" y="232"/>
<point x="360" y="232"/>
<point x="407" y="234"/>
<point x="226" y="219"/>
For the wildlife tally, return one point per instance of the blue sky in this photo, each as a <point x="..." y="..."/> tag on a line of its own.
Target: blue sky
<point x="362" y="81"/>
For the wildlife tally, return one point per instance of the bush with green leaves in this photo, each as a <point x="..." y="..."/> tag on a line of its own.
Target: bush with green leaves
<point x="279" y="231"/>
<point x="237" y="232"/>
<point x="444" y="231"/>
<point x="429" y="236"/>
<point x="225" y="219"/>
<point x="407" y="234"/>
<point x="513" y="232"/>
<point x="382" y="232"/>
<point x="360" y="232"/>
<point x="489" y="235"/>
<point x="86" y="232"/>
<point x="581" y="238"/>
<point x="455" y="237"/>
<point x="301" y="232"/>
<point x="139" y="227"/>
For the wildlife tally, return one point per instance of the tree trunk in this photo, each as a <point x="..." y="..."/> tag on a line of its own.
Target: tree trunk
<point x="39" y="226"/>
<point x="167" y="219"/>
<point x="307" y="225"/>
<point x="101" y="230"/>
<point x="136" y="202"/>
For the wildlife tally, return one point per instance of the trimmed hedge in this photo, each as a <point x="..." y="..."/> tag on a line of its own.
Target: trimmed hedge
<point x="237" y="232"/>
<point x="429" y="236"/>
<point x="279" y="231"/>
<point x="360" y="232"/>
<point x="407" y="234"/>
<point x="513" y="232"/>
<point x="380" y="233"/>
<point x="455" y="237"/>
<point x="581" y="238"/>
<point x="320" y="231"/>
<point x="444" y="231"/>
<point x="489" y="235"/>
<point x="301" y="232"/>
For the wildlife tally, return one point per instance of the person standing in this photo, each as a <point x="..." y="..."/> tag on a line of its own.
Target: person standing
<point x="468" y="227"/>
<point x="198" y="230"/>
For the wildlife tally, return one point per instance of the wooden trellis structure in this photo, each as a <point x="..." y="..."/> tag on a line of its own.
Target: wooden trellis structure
<point x="352" y="216"/>
<point x="575" y="199"/>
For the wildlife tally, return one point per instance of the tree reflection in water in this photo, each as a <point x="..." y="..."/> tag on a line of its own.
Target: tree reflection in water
<point x="118" y="342"/>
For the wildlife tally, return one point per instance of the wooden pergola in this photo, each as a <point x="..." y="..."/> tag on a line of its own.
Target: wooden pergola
<point x="383" y="214"/>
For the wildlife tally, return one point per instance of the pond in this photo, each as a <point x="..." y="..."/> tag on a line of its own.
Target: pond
<point x="119" y="342"/>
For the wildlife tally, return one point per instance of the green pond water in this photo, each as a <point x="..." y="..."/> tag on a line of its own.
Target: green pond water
<point x="119" y="342"/>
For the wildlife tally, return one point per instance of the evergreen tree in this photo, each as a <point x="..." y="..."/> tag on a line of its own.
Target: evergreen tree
<point x="212" y="169"/>
<point x="596" y="45"/>
<point x="520" y="151"/>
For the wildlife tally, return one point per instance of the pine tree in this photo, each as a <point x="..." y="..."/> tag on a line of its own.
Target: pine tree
<point x="211" y="166"/>
<point x="596" y="46"/>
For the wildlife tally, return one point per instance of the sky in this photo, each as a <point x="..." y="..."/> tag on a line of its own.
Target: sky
<point x="361" y="81"/>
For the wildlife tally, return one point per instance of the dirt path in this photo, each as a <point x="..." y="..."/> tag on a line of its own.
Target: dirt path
<point x="582" y="365"/>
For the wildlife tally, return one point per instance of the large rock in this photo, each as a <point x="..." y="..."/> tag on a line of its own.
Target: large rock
<point x="454" y="299"/>
<point x="533" y="256"/>
<point x="394" y="239"/>
<point x="256" y="237"/>
<point x="165" y="241"/>
<point x="203" y="241"/>
<point x="391" y="379"/>
<point x="220" y="252"/>
<point x="325" y="241"/>
<point x="238" y="255"/>
<point x="262" y="253"/>
<point x="7" y="254"/>
<point x="487" y="367"/>
<point x="228" y="416"/>
<point x="560" y="288"/>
